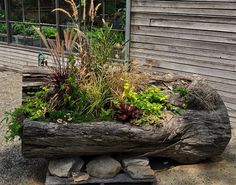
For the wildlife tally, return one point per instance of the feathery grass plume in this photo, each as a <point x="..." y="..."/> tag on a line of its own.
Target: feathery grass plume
<point x="84" y="11"/>
<point x="63" y="11"/>
<point x="64" y="62"/>
<point x="75" y="14"/>
<point x="93" y="10"/>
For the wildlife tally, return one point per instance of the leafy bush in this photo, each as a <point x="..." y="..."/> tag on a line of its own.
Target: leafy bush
<point x="102" y="46"/>
<point x="146" y="106"/>
<point x="184" y="94"/>
<point x="18" y="28"/>
<point x="49" y="32"/>
<point x="27" y="29"/>
<point x="2" y="14"/>
<point x="3" y="27"/>
<point x="150" y="101"/>
<point x="35" y="107"/>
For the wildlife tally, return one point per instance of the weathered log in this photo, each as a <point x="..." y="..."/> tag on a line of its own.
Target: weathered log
<point x="201" y="132"/>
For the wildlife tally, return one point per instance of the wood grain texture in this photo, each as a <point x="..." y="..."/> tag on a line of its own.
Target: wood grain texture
<point x="17" y="57"/>
<point x="201" y="132"/>
<point x="188" y="36"/>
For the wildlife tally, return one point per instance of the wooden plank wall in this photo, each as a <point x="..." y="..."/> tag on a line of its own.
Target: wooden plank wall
<point x="16" y="57"/>
<point x="188" y="36"/>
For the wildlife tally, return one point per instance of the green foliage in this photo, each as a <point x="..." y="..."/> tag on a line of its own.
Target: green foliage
<point x="69" y="92"/>
<point x="150" y="101"/>
<point x="2" y="14"/>
<point x="97" y="96"/>
<point x="104" y="43"/>
<point x="49" y="32"/>
<point x="106" y="114"/>
<point x="173" y="108"/>
<point x="36" y="105"/>
<point x="65" y="117"/>
<point x="27" y="29"/>
<point x="18" y="28"/>
<point x="3" y="27"/>
<point x="34" y="108"/>
<point x="181" y="90"/>
<point x="14" y="123"/>
<point x="149" y="119"/>
<point x="65" y="83"/>
<point x="102" y="51"/>
<point x="183" y="93"/>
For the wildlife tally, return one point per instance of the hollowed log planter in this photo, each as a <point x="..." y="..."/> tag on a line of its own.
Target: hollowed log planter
<point x="200" y="132"/>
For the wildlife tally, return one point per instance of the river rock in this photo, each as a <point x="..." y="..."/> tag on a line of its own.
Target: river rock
<point x="63" y="167"/>
<point x="138" y="168"/>
<point x="103" y="167"/>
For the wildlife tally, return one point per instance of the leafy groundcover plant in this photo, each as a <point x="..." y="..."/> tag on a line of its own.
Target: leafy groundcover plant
<point x="86" y="85"/>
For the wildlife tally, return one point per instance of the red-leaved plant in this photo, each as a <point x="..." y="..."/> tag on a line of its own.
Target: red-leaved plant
<point x="127" y="112"/>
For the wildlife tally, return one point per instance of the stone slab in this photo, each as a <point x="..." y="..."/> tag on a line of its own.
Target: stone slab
<point x="119" y="179"/>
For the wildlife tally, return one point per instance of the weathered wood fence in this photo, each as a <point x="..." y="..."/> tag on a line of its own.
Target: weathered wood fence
<point x="188" y="36"/>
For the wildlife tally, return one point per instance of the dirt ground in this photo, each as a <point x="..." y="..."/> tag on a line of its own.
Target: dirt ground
<point x="15" y="170"/>
<point x="221" y="171"/>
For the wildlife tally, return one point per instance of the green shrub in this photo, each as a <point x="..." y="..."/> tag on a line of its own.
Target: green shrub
<point x="2" y="14"/>
<point x="3" y="27"/>
<point x="150" y="101"/>
<point x="18" y="28"/>
<point x="149" y="104"/>
<point x="29" y="31"/>
<point x="49" y="32"/>
<point x="34" y="108"/>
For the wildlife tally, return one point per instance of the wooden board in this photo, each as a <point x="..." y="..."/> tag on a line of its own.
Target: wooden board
<point x="121" y="179"/>
<point x="189" y="37"/>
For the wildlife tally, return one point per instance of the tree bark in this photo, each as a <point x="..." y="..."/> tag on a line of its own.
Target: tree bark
<point x="201" y="132"/>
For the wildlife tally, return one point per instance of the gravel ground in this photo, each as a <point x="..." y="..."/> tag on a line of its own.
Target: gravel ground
<point x="221" y="171"/>
<point x="15" y="170"/>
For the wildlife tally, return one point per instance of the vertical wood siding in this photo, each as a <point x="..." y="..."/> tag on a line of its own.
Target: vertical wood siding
<point x="188" y="36"/>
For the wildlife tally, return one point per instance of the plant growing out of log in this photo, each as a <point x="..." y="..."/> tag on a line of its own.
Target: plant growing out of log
<point x="184" y="94"/>
<point x="87" y="85"/>
<point x="126" y="113"/>
<point x="145" y="106"/>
